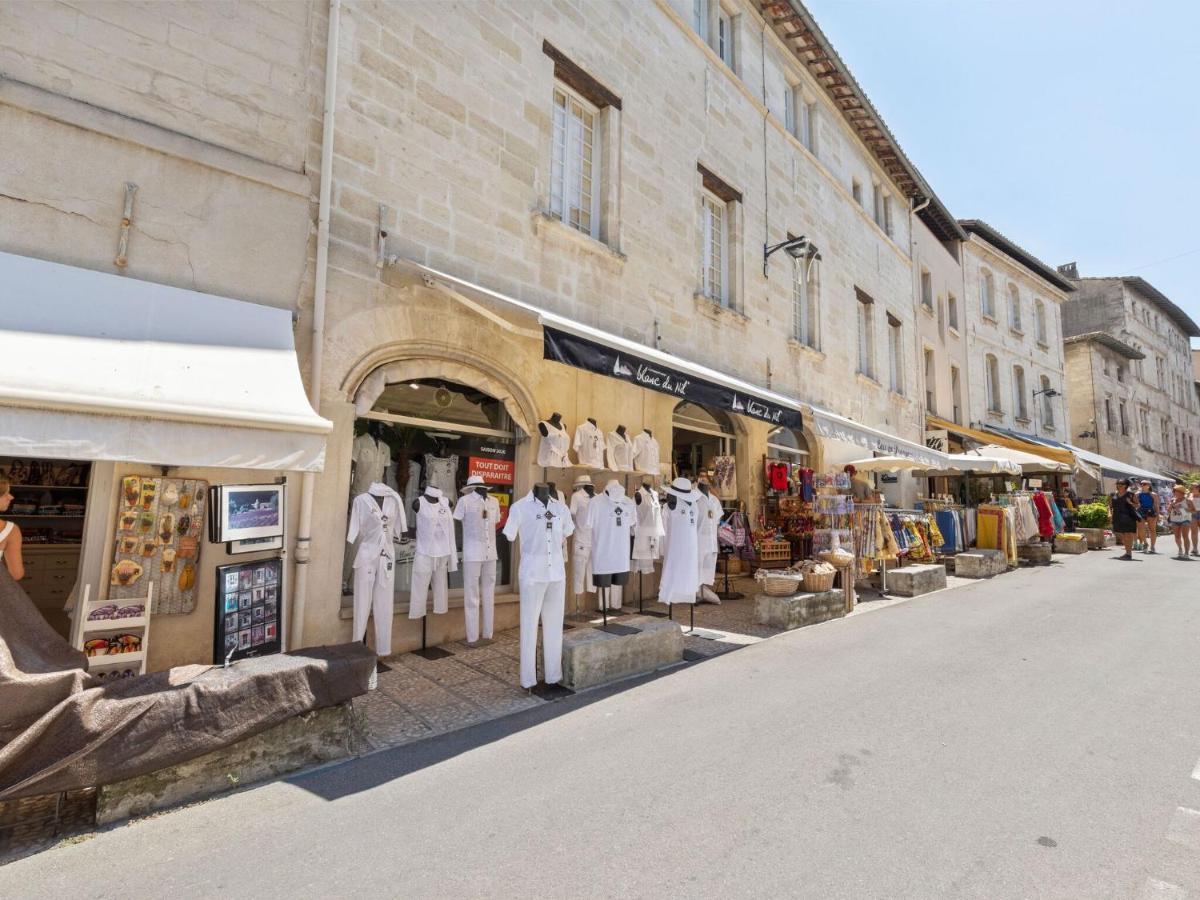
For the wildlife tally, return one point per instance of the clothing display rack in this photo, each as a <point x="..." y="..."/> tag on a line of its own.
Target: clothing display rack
<point x="915" y="528"/>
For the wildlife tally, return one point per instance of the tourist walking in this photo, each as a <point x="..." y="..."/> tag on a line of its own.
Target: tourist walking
<point x="1179" y="513"/>
<point x="1148" y="504"/>
<point x="1124" y="511"/>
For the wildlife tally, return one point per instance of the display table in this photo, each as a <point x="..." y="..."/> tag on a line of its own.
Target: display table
<point x="980" y="563"/>
<point x="912" y="581"/>
<point x="593" y="656"/>
<point x="798" y="610"/>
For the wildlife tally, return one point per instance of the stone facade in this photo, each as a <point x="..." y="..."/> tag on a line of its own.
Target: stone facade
<point x="1162" y="433"/>
<point x="1099" y="378"/>
<point x="941" y="325"/>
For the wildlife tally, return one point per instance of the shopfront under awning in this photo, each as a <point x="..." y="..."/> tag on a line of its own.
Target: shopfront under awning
<point x="96" y="366"/>
<point x="1030" y="463"/>
<point x="831" y="425"/>
<point x="1115" y="468"/>
<point x="1004" y="438"/>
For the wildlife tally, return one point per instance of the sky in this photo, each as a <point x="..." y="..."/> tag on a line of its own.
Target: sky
<point x="1071" y="126"/>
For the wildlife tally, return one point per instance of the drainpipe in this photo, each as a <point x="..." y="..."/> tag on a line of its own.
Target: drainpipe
<point x="317" y="348"/>
<point x="916" y="290"/>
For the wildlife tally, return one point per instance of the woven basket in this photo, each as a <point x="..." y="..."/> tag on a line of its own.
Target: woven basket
<point x="816" y="583"/>
<point x="732" y="565"/>
<point x="779" y="585"/>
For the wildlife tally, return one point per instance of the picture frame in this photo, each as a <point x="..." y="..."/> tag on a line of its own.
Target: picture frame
<point x="254" y="545"/>
<point x="246" y="620"/>
<point x="243" y="512"/>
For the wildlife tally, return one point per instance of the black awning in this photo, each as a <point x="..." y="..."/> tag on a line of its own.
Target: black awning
<point x="591" y="356"/>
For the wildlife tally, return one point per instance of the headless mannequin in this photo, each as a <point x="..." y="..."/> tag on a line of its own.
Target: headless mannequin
<point x="620" y="428"/>
<point x="637" y="495"/>
<point x="541" y="492"/>
<point x="416" y="505"/>
<point x="593" y="421"/>
<point x="649" y="433"/>
<point x="590" y="490"/>
<point x="555" y="420"/>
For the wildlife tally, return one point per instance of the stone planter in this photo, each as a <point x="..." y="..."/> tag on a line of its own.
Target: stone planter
<point x="1094" y="537"/>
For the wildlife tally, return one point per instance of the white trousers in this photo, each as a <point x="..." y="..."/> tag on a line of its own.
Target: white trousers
<point x="373" y="586"/>
<point x="708" y="568"/>
<point x="479" y="584"/>
<point x="581" y="570"/>
<point x="542" y="600"/>
<point x="614" y="596"/>
<point x="428" y="570"/>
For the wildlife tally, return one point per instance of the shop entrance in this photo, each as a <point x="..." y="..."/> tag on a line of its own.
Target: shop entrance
<point x="703" y="443"/>
<point x="430" y="431"/>
<point x="49" y="504"/>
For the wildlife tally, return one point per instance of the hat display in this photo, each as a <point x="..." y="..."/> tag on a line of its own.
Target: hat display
<point x="473" y="482"/>
<point x="581" y="480"/>
<point x="680" y="486"/>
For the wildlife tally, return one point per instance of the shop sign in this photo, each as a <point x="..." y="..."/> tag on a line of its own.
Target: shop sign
<point x="492" y="471"/>
<point x="938" y="439"/>
<point x="581" y="353"/>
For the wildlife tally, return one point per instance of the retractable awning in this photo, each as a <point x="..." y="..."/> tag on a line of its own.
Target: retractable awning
<point x="831" y="425"/>
<point x="1030" y="463"/>
<point x="594" y="350"/>
<point x="1004" y="439"/>
<point x="104" y="367"/>
<point x="1115" y="468"/>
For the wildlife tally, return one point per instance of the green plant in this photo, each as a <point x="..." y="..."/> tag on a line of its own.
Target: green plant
<point x="1092" y="515"/>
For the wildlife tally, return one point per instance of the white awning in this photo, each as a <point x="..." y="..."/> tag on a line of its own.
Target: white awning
<point x="980" y="465"/>
<point x="831" y="425"/>
<point x="1115" y="468"/>
<point x="885" y="464"/>
<point x="1029" y="462"/>
<point x="103" y="367"/>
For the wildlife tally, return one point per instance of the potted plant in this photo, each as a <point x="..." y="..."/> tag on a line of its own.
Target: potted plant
<point x="1092" y="519"/>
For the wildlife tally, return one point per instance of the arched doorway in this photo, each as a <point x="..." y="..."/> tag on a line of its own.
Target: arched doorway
<point x="789" y="445"/>
<point x="703" y="442"/>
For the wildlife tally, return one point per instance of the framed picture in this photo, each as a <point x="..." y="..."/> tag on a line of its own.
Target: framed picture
<point x="246" y="620"/>
<point x="247" y="511"/>
<point x="254" y="545"/>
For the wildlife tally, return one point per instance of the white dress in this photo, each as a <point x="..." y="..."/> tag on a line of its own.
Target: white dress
<point x="612" y="518"/>
<point x="681" y="558"/>
<point x="620" y="452"/>
<point x="648" y="531"/>
<point x="589" y="445"/>
<point x="711" y="512"/>
<point x="552" y="449"/>
<point x="645" y="454"/>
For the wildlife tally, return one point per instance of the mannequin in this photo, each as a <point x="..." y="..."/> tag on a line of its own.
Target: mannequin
<point x="620" y="451"/>
<point x="581" y="543"/>
<point x="648" y="529"/>
<point x="589" y="445"/>
<point x="479" y="513"/>
<point x="376" y="517"/>
<point x="541" y="524"/>
<point x="552" y="449"/>
<point x="612" y="519"/>
<point x="370" y="456"/>
<point x="681" y="564"/>
<point x="442" y="471"/>
<point x="646" y="454"/>
<point x="711" y="513"/>
<point x="436" y="554"/>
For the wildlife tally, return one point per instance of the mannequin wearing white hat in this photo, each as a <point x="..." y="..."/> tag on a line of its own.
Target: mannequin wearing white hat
<point x="479" y="513"/>
<point x="581" y="541"/>
<point x="681" y="557"/>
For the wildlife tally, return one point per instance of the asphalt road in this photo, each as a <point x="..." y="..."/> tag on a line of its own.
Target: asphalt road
<point x="1035" y="735"/>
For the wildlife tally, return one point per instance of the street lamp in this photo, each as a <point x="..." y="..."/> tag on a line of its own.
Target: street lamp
<point x="797" y="248"/>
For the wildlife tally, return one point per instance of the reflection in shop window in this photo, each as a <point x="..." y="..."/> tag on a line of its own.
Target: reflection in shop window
<point x="434" y="432"/>
<point x="702" y="443"/>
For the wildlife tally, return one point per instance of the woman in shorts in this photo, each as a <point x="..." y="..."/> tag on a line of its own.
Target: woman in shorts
<point x="1123" y="509"/>
<point x="1179" y="513"/>
<point x="1148" y="526"/>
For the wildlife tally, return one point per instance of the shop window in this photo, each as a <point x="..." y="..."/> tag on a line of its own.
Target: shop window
<point x="434" y="432"/>
<point x="788" y="445"/>
<point x="703" y="443"/>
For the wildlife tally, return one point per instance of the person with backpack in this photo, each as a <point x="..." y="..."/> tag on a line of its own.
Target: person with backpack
<point x="1148" y="505"/>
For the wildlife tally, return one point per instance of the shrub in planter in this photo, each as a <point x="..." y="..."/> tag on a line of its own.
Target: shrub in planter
<point x="1092" y="515"/>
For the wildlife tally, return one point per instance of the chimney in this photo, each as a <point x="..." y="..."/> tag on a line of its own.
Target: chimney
<point x="1069" y="270"/>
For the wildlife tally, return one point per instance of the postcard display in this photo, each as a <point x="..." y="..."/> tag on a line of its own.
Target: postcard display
<point x="249" y="609"/>
<point x="159" y="524"/>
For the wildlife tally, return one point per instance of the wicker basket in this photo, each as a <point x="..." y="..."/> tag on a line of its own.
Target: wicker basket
<point x="816" y="583"/>
<point x="731" y="565"/>
<point x="780" y="585"/>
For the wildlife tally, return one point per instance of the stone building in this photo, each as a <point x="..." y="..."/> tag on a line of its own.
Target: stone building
<point x="1014" y="324"/>
<point x="1137" y="401"/>
<point x="500" y="178"/>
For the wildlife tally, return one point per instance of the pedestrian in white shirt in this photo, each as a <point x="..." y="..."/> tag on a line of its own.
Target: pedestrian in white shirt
<point x="479" y="513"/>
<point x="541" y="523"/>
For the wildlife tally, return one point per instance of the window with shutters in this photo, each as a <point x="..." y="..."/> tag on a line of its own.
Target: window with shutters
<point x="956" y="394"/>
<point x="930" y="382"/>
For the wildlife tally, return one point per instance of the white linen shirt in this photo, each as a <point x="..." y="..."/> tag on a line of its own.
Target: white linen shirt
<point x="580" y="501"/>
<point x="711" y="512"/>
<point x="376" y="525"/>
<point x="645" y="454"/>
<point x="435" y="528"/>
<point x="611" y="516"/>
<point x="620" y="452"/>
<point x="541" y="546"/>
<point x="589" y="445"/>
<point x="552" y="449"/>
<point x="479" y="517"/>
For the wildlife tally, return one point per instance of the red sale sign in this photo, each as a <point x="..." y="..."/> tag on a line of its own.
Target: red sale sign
<point x="492" y="471"/>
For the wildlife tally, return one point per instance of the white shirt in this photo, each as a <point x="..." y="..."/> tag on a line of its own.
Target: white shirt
<point x="371" y="458"/>
<point x="435" y="527"/>
<point x="648" y="532"/>
<point x="376" y="525"/>
<point x="580" y="501"/>
<point x="710" y="511"/>
<point x="620" y="453"/>
<point x="611" y="517"/>
<point x="589" y="446"/>
<point x="552" y="450"/>
<point x="645" y="454"/>
<point x="541" y="546"/>
<point x="480" y="516"/>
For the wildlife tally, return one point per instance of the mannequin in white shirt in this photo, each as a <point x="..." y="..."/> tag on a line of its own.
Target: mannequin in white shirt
<point x="479" y="513"/>
<point x="436" y="553"/>
<point x="552" y="449"/>
<point x="620" y="451"/>
<point x="376" y="517"/>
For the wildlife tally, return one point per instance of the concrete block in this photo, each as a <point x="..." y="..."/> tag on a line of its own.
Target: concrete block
<point x="320" y="736"/>
<point x="911" y="581"/>
<point x="1095" y="537"/>
<point x="980" y="564"/>
<point x="798" y="610"/>
<point x="1035" y="554"/>
<point x="1070" y="547"/>
<point x="592" y="657"/>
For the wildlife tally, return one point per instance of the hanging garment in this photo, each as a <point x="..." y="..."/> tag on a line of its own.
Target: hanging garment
<point x="581" y="544"/>
<point x="648" y="531"/>
<point x="645" y="454"/>
<point x="542" y="529"/>
<point x="552" y="449"/>
<point x="371" y="458"/>
<point x="612" y="520"/>
<point x="480" y="517"/>
<point x="442" y="473"/>
<point x="374" y="525"/>
<point x="710" y="512"/>
<point x="589" y="446"/>
<point x="620" y="453"/>
<point x="1045" y="517"/>
<point x="777" y="476"/>
<point x="541" y="600"/>
<point x="724" y="477"/>
<point x="412" y="487"/>
<point x="681" y="557"/>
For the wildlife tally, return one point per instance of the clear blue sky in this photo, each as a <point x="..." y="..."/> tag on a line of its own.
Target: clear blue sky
<point x="1072" y="126"/>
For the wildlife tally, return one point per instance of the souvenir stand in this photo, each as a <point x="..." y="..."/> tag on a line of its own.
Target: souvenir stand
<point x="786" y="508"/>
<point x="833" y="541"/>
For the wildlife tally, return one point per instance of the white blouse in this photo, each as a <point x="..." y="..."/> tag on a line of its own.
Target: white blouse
<point x="645" y="454"/>
<point x="620" y="453"/>
<point x="435" y="527"/>
<point x="552" y="450"/>
<point x="589" y="445"/>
